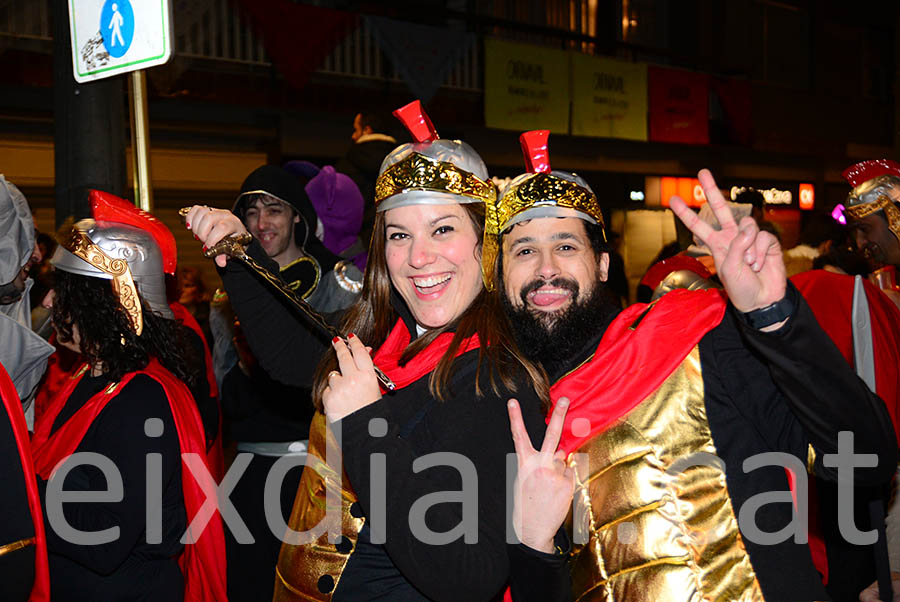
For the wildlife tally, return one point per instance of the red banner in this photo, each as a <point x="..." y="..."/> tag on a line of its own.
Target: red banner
<point x="297" y="37"/>
<point x="737" y="116"/>
<point x="679" y="106"/>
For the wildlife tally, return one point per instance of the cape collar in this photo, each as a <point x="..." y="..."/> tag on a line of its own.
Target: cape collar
<point x="637" y="352"/>
<point x="376" y="136"/>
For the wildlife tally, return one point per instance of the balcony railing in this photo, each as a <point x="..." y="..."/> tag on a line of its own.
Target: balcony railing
<point x="215" y="30"/>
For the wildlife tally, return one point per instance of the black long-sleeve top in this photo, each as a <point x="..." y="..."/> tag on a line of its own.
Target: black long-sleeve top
<point x="129" y="567"/>
<point x="464" y="434"/>
<point x="287" y="347"/>
<point x="273" y="402"/>
<point x="259" y="408"/>
<point x="472" y="430"/>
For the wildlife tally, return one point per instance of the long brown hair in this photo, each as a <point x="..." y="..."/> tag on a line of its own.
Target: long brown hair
<point x="372" y="317"/>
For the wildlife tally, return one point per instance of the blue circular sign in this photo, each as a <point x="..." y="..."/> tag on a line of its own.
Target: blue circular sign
<point x="117" y="26"/>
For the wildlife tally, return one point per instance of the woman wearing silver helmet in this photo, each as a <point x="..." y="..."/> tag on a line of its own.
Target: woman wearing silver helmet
<point x="128" y="407"/>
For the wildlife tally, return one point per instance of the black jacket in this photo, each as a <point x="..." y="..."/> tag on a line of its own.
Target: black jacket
<point x="474" y="430"/>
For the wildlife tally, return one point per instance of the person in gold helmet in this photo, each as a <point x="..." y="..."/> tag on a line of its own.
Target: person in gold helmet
<point x="872" y="211"/>
<point x="669" y="404"/>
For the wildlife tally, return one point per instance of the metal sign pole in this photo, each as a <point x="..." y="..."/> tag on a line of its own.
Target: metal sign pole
<point x="140" y="140"/>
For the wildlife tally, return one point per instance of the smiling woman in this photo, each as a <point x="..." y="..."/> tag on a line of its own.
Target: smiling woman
<point x="435" y="329"/>
<point x="442" y="437"/>
<point x="432" y="257"/>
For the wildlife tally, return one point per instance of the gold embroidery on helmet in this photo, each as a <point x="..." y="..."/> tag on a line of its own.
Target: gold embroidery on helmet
<point x="542" y="189"/>
<point x="79" y="244"/>
<point x="882" y="203"/>
<point x="418" y="172"/>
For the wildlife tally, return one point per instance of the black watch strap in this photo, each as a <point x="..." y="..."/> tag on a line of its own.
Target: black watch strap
<point x="770" y="314"/>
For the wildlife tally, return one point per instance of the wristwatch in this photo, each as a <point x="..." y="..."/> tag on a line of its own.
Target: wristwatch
<point x="770" y="314"/>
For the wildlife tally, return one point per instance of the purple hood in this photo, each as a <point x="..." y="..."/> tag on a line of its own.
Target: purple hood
<point x="339" y="206"/>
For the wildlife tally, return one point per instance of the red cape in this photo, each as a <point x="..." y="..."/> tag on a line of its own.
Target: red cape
<point x="631" y="362"/>
<point x="181" y="313"/>
<point x="216" y="455"/>
<point x="830" y="296"/>
<point x="40" y="592"/>
<point x="202" y="562"/>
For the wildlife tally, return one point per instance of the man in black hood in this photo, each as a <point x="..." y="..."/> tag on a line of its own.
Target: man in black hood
<point x="275" y="208"/>
<point x="264" y="417"/>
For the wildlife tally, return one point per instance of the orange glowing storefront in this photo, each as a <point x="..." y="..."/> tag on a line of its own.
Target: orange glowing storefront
<point x="646" y="224"/>
<point x="784" y="202"/>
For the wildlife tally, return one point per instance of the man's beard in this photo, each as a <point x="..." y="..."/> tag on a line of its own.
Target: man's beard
<point x="554" y="339"/>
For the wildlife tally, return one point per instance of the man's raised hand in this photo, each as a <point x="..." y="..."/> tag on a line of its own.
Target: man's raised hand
<point x="749" y="261"/>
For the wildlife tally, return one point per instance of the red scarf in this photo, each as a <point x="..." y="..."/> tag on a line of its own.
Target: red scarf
<point x="630" y="364"/>
<point x="40" y="592"/>
<point x="203" y="562"/>
<point x="216" y="455"/>
<point x="387" y="358"/>
<point x="187" y="318"/>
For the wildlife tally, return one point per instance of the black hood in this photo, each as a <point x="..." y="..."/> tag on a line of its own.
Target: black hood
<point x="276" y="182"/>
<point x="290" y="188"/>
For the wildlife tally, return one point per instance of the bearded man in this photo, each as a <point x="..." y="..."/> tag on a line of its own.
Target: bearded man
<point x="671" y="405"/>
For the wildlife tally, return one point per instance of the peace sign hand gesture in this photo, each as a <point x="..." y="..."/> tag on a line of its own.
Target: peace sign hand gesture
<point x="749" y="262"/>
<point x="544" y="483"/>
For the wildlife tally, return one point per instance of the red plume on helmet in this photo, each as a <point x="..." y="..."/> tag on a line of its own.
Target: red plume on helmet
<point x="866" y="170"/>
<point x="658" y="271"/>
<point x="106" y="207"/>
<point x="534" y="147"/>
<point x="417" y="122"/>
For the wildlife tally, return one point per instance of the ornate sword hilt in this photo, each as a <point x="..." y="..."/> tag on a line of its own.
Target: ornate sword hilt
<point x="236" y="246"/>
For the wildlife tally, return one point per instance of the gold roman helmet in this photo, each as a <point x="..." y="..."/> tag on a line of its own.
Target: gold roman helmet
<point x="538" y="193"/>
<point x="876" y="187"/>
<point x="430" y="170"/>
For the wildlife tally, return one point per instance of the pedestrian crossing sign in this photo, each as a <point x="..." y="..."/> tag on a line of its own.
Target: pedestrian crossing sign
<point x="110" y="37"/>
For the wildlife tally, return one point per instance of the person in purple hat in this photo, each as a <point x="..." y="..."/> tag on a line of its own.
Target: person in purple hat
<point x="339" y="206"/>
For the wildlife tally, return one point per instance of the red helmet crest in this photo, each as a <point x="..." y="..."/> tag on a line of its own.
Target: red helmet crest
<point x="866" y="170"/>
<point x="417" y="122"/>
<point x="106" y="207"/>
<point x="534" y="147"/>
